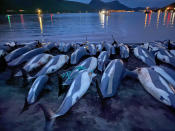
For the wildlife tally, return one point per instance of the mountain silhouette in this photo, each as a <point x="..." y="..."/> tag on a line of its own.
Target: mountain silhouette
<point x="30" y="6"/>
<point x="114" y="5"/>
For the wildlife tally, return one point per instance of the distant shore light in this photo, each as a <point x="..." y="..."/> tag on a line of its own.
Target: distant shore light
<point x="39" y="11"/>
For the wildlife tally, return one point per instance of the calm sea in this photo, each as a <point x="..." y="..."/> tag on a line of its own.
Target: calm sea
<point x="124" y="26"/>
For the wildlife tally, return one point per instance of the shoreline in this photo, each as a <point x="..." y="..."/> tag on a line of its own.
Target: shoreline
<point x="132" y="108"/>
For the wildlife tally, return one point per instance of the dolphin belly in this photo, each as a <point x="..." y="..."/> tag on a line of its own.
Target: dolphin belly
<point x="25" y="57"/>
<point x="36" y="88"/>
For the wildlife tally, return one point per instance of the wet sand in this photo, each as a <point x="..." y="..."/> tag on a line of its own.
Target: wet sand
<point x="131" y="109"/>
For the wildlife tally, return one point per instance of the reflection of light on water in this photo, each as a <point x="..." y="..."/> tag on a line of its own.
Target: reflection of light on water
<point x="146" y="15"/>
<point x="168" y="20"/>
<point x="40" y="22"/>
<point x="149" y="20"/>
<point x="22" y="19"/>
<point x="158" y="17"/>
<point x="172" y="21"/>
<point x="8" y="16"/>
<point x="164" y="19"/>
<point x="51" y="15"/>
<point x="107" y="19"/>
<point x="103" y="19"/>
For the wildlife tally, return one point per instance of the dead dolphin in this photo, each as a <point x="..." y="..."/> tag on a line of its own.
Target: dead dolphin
<point x="99" y="47"/>
<point x="2" y="53"/>
<point x="35" y="90"/>
<point x="53" y="65"/>
<point x="20" y="51"/>
<point x="112" y="76"/>
<point x="35" y="62"/>
<point x="27" y="56"/>
<point x="144" y="55"/>
<point x="37" y="87"/>
<point x="91" y="48"/>
<point x="124" y="51"/>
<point x="166" y="57"/>
<point x="50" y="46"/>
<point x="88" y="64"/>
<point x="157" y="86"/>
<point x="78" y="54"/>
<point x="66" y="47"/>
<point x="103" y="59"/>
<point x="78" y="88"/>
<point x="166" y="73"/>
<point x="110" y="48"/>
<point x="172" y="52"/>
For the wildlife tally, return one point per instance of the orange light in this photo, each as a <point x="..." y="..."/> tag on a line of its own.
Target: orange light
<point x="21" y="10"/>
<point x="39" y="11"/>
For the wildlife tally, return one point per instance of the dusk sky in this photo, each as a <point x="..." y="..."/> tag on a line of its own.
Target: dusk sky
<point x="137" y="3"/>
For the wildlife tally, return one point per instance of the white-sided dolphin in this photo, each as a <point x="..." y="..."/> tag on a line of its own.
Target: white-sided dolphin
<point x="124" y="51"/>
<point x="75" y="46"/>
<point x="18" y="52"/>
<point x="166" y="57"/>
<point x="35" y="62"/>
<point x="37" y="87"/>
<point x="112" y="76"/>
<point x="78" y="54"/>
<point x="103" y="59"/>
<point x="66" y="47"/>
<point x="99" y="47"/>
<point x="27" y="56"/>
<point x="50" y="46"/>
<point x="53" y="65"/>
<point x="91" y="48"/>
<point x="166" y="73"/>
<point x="157" y="86"/>
<point x="78" y="88"/>
<point x="11" y="44"/>
<point x="144" y="55"/>
<point x="2" y="52"/>
<point x="61" y="46"/>
<point x="88" y="64"/>
<point x="172" y="52"/>
<point x="6" y="48"/>
<point x="109" y="48"/>
<point x="155" y="46"/>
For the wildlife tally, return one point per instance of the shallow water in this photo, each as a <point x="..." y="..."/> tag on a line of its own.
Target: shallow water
<point x="125" y="26"/>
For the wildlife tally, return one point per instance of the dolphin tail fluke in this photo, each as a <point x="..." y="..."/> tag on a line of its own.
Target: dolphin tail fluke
<point x="49" y="120"/>
<point x="131" y="74"/>
<point x="25" y="107"/>
<point x="24" y="75"/>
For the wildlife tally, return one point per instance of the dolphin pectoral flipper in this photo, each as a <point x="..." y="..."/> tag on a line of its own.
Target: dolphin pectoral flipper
<point x="25" y="77"/>
<point x="97" y="86"/>
<point x="131" y="74"/>
<point x="48" y="113"/>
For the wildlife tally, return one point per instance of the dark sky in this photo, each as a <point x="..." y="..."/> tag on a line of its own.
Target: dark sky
<point x="137" y="3"/>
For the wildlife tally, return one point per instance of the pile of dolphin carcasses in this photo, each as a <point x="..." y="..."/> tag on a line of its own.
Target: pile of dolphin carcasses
<point x="37" y="58"/>
<point x="159" y="78"/>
